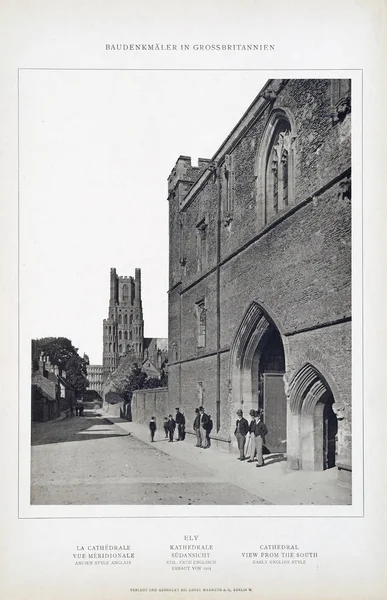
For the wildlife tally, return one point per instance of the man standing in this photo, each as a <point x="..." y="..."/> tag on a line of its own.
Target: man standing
<point x="152" y="428"/>
<point x="166" y="427"/>
<point x="180" y="422"/>
<point x="196" y="428"/>
<point x="203" y="427"/>
<point x="250" y="446"/>
<point x="241" y="429"/>
<point x="260" y="432"/>
<point x="171" y="428"/>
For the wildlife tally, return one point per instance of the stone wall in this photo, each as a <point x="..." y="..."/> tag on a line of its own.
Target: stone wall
<point x="151" y="403"/>
<point x="296" y="263"/>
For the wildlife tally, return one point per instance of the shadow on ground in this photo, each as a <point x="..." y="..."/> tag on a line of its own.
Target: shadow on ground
<point x="91" y="426"/>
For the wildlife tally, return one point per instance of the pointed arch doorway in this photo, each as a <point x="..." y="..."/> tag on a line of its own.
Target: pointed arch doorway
<point x="313" y="422"/>
<point x="257" y="366"/>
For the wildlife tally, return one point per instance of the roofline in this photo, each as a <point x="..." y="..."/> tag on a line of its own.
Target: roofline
<point x="256" y="108"/>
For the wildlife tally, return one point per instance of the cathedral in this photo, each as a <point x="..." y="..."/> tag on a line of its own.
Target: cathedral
<point x="260" y="275"/>
<point x="123" y="330"/>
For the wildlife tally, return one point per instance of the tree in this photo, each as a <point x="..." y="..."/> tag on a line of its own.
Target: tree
<point x="154" y="382"/>
<point x="135" y="381"/>
<point x="76" y="373"/>
<point x="64" y="355"/>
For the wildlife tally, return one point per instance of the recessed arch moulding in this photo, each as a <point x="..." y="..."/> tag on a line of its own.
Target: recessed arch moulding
<point x="309" y="388"/>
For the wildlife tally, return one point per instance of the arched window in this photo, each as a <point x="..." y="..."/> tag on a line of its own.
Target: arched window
<point x="120" y="335"/>
<point x="128" y="348"/>
<point x="125" y="335"/>
<point x="274" y="168"/>
<point x="110" y="330"/>
<point x="277" y="169"/>
<point x="201" y="323"/>
<point x="131" y="319"/>
<point x="120" y="348"/>
<point x="119" y="319"/>
<point x="125" y="319"/>
<point x="125" y="294"/>
<point x="130" y="334"/>
<point x="110" y="347"/>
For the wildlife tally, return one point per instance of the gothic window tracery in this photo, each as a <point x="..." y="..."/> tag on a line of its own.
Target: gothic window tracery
<point x="201" y="323"/>
<point x="279" y="170"/>
<point x="125" y="293"/>
<point x="201" y="236"/>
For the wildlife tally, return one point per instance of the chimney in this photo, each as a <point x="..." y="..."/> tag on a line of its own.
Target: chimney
<point x="41" y="362"/>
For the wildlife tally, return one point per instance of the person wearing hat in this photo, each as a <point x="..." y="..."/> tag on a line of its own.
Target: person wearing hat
<point x="250" y="446"/>
<point x="171" y="427"/>
<point x="259" y="433"/>
<point x="241" y="430"/>
<point x="152" y="428"/>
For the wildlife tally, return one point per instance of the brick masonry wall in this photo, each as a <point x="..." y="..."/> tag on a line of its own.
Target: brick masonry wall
<point x="205" y="289"/>
<point x="174" y="385"/>
<point x="298" y="264"/>
<point x="206" y="206"/>
<point x="203" y="370"/>
<point x="301" y="269"/>
<point x="322" y="152"/>
<point x="174" y="349"/>
<point x="151" y="403"/>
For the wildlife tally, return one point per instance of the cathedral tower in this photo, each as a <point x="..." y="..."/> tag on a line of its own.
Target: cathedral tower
<point x="123" y="330"/>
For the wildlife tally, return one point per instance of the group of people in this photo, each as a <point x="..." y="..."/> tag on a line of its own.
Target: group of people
<point x="170" y="425"/>
<point x="77" y="408"/>
<point x="202" y="427"/>
<point x="250" y="436"/>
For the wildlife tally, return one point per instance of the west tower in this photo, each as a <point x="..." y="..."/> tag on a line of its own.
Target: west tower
<point x="123" y="330"/>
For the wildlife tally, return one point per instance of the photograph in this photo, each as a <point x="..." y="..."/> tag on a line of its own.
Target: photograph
<point x="186" y="320"/>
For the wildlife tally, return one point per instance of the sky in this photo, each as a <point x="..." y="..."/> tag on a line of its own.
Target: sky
<point x="95" y="151"/>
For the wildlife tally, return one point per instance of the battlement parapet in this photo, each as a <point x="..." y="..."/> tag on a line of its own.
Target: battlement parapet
<point x="185" y="173"/>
